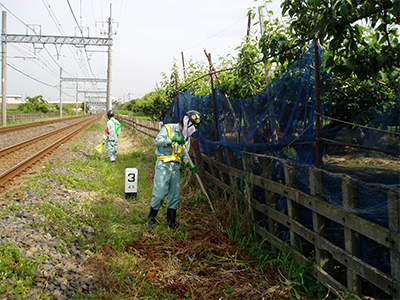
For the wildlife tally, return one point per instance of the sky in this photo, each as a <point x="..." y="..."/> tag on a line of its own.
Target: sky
<point x="148" y="37"/>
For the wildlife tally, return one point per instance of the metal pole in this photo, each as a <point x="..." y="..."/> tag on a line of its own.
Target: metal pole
<point x="109" y="104"/>
<point x="248" y="28"/>
<point x="272" y="121"/>
<point x="317" y="102"/>
<point x="76" y="99"/>
<point x="184" y="68"/>
<point x="213" y="101"/>
<point x="84" y="104"/>
<point x="177" y="95"/>
<point x="4" y="71"/>
<point x="219" y="81"/>
<point x="61" y="114"/>
<point x="317" y="106"/>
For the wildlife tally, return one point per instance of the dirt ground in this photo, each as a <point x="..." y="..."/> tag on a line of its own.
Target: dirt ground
<point x="197" y="261"/>
<point x="371" y="168"/>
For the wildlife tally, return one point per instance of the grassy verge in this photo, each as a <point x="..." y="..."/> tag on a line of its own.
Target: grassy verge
<point x="207" y="257"/>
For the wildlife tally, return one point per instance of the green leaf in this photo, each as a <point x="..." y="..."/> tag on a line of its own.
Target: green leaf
<point x="381" y="59"/>
<point x="350" y="63"/>
<point x="396" y="9"/>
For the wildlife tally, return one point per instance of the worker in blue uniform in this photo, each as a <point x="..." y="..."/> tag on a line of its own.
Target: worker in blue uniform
<point x="111" y="136"/>
<point x="169" y="142"/>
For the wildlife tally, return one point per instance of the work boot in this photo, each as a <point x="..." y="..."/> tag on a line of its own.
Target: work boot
<point x="171" y="215"/>
<point x="152" y="217"/>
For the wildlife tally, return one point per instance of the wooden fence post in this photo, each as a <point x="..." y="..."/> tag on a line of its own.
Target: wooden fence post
<point x="220" y="158"/>
<point x="393" y="199"/>
<point x="198" y="160"/>
<point x="351" y="238"/>
<point x="249" y="186"/>
<point x="230" y="157"/>
<point x="266" y="172"/>
<point x="214" y="171"/>
<point x="292" y="206"/>
<point x="319" y="221"/>
<point x="222" y="176"/>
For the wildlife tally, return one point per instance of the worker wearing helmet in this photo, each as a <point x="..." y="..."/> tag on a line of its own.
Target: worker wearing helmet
<point x="111" y="135"/>
<point x="169" y="143"/>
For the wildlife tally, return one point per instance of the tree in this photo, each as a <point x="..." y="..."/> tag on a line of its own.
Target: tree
<point x="154" y="104"/>
<point x="247" y="77"/>
<point x="35" y="104"/>
<point x="360" y="40"/>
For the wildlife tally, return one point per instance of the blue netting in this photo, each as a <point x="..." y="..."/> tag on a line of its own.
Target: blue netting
<point x="283" y="113"/>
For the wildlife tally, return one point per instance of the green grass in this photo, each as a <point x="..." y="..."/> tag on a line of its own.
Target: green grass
<point x="118" y="221"/>
<point x="17" y="273"/>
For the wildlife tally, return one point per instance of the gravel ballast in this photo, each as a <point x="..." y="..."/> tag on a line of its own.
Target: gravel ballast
<point x="62" y="273"/>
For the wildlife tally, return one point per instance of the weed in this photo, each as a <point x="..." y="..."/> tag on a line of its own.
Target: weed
<point x="228" y="288"/>
<point x="42" y="188"/>
<point x="12" y="208"/>
<point x="17" y="273"/>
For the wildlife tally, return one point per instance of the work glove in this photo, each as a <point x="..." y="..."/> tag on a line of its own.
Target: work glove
<point x="179" y="139"/>
<point x="193" y="169"/>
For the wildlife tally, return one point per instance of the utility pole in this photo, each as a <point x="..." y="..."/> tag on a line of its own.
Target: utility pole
<point x="85" y="96"/>
<point x="43" y="40"/>
<point x="76" y="99"/>
<point x="61" y="114"/>
<point x="109" y="69"/>
<point x="4" y="71"/>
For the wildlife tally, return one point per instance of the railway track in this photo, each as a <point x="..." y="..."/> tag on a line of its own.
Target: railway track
<point x="19" y="157"/>
<point x="8" y="129"/>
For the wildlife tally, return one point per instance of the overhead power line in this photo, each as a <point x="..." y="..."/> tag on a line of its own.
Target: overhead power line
<point x="33" y="29"/>
<point x="216" y="33"/>
<point x="58" y="24"/>
<point x="31" y="77"/>
<point x="73" y="14"/>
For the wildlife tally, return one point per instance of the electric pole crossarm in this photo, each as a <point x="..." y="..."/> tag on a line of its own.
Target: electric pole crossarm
<point x="93" y="92"/>
<point x="62" y="40"/>
<point x="84" y="79"/>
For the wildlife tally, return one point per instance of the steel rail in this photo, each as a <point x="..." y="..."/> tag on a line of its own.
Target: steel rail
<point x="7" y="129"/>
<point x="20" y="167"/>
<point x="32" y="140"/>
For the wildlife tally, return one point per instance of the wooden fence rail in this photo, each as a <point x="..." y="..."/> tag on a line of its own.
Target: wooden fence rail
<point x="225" y="177"/>
<point x="147" y="127"/>
<point x="226" y="173"/>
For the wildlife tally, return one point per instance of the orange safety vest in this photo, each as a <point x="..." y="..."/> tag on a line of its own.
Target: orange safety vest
<point x="174" y="156"/>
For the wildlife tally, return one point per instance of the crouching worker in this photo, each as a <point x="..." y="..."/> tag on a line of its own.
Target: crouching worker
<point x="170" y="156"/>
<point x="111" y="136"/>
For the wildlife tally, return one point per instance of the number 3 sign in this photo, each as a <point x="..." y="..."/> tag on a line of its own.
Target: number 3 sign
<point x="131" y="178"/>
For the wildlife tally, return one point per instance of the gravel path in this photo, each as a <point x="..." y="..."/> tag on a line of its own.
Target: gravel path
<point x="13" y="138"/>
<point x="62" y="272"/>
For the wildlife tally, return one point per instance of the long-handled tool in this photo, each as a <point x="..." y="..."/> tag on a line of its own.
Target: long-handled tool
<point x="198" y="179"/>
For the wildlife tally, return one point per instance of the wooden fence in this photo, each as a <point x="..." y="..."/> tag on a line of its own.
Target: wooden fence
<point x="224" y="172"/>
<point x="147" y="127"/>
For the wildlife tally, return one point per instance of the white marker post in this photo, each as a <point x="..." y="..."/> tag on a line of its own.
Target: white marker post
<point x="131" y="178"/>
